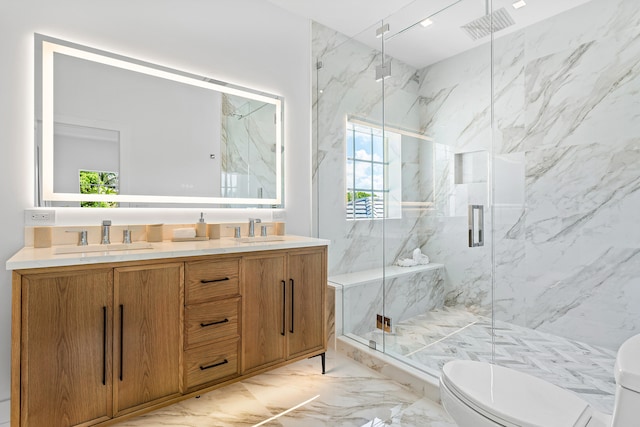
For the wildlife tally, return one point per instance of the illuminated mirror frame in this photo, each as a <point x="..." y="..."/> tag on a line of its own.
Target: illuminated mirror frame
<point x="51" y="46"/>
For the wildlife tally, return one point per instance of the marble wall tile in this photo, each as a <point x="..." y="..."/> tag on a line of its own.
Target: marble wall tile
<point x="584" y="94"/>
<point x="593" y="20"/>
<point x="406" y="296"/>
<point x="565" y="149"/>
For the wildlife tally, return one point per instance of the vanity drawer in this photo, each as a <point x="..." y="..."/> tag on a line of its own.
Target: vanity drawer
<point x="213" y="362"/>
<point x="212" y="321"/>
<point x="206" y="280"/>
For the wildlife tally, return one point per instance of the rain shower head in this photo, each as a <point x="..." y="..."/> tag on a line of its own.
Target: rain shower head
<point x="482" y="27"/>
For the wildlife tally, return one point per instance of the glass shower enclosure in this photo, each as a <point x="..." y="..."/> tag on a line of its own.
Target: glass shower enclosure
<point x="502" y="146"/>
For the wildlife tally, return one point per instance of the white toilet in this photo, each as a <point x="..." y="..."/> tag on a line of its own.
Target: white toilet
<point x="478" y="394"/>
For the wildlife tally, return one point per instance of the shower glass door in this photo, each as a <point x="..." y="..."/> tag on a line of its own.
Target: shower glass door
<point x="438" y="242"/>
<point x="349" y="175"/>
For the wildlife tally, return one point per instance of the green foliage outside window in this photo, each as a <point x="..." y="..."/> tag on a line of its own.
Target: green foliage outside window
<point x="92" y="182"/>
<point x="359" y="195"/>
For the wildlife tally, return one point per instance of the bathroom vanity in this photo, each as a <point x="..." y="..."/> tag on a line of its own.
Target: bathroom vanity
<point x="100" y="336"/>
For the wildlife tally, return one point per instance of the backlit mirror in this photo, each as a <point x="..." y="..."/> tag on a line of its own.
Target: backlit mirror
<point x="115" y="131"/>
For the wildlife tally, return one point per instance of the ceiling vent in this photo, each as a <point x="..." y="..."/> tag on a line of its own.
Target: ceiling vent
<point x="481" y="27"/>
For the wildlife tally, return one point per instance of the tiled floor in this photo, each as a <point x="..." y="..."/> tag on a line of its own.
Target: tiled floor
<point x="430" y="340"/>
<point x="349" y="394"/>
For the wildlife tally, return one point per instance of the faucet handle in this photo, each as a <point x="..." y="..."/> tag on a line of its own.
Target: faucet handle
<point x="263" y="230"/>
<point x="236" y="229"/>
<point x="82" y="237"/>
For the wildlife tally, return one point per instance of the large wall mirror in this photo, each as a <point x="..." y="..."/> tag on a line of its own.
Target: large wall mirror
<point x="115" y="131"/>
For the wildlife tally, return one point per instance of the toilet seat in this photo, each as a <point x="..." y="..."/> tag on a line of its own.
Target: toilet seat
<point x="513" y="399"/>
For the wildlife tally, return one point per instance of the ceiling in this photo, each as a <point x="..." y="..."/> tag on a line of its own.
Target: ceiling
<point x="407" y="40"/>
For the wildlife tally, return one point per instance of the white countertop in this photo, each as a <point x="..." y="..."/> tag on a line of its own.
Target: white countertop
<point x="30" y="257"/>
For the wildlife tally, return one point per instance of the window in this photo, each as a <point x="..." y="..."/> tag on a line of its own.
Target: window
<point x="373" y="172"/>
<point x="96" y="182"/>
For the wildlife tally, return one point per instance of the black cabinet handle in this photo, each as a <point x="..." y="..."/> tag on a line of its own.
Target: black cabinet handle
<point x="104" y="345"/>
<point x="204" y="325"/>
<point x="284" y="306"/>
<point x="292" y="297"/>
<point x="121" y="339"/>
<point x="202" y="368"/>
<point x="214" y="280"/>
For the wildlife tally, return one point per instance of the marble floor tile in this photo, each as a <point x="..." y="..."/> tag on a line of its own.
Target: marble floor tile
<point x="430" y="340"/>
<point x="349" y="394"/>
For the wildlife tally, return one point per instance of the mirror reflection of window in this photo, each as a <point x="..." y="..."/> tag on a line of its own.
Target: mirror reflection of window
<point x="98" y="182"/>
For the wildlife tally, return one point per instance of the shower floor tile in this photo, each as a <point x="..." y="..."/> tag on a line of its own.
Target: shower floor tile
<point x="430" y="340"/>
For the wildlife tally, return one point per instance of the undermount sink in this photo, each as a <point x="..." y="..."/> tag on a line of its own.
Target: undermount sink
<point x="116" y="247"/>
<point x="259" y="239"/>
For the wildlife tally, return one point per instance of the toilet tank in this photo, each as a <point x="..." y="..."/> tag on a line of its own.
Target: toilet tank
<point x="627" y="373"/>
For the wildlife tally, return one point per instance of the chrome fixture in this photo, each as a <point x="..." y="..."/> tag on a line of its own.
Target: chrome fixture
<point x="489" y="23"/>
<point x="383" y="71"/>
<point x="382" y="31"/>
<point x="476" y="226"/>
<point x="106" y="225"/>
<point x="126" y="236"/>
<point x="82" y="237"/>
<point x="252" y="226"/>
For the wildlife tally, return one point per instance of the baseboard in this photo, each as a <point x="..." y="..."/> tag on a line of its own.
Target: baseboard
<point x="5" y="412"/>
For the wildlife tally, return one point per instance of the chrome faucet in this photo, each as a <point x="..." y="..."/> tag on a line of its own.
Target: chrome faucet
<point x="106" y="225"/>
<point x="252" y="226"/>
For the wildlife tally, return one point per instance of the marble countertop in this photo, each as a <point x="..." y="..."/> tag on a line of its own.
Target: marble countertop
<point x="29" y="257"/>
<point x="358" y="277"/>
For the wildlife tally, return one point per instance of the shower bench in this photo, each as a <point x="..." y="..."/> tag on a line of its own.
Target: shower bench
<point x="407" y="292"/>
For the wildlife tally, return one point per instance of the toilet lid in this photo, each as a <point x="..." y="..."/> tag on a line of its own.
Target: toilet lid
<point x="627" y="369"/>
<point x="513" y="398"/>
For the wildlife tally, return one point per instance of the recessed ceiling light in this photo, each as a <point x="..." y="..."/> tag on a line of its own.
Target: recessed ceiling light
<point x="519" y="4"/>
<point x="426" y="22"/>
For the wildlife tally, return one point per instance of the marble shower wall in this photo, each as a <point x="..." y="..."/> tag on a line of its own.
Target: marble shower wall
<point x="565" y="156"/>
<point x="566" y="147"/>
<point x="346" y="87"/>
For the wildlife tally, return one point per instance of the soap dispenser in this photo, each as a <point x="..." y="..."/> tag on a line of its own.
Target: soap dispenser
<point x="201" y="227"/>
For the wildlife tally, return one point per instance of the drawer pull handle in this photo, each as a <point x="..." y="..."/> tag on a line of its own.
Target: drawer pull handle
<point x="202" y="368"/>
<point x="204" y="325"/>
<point x="214" y="280"/>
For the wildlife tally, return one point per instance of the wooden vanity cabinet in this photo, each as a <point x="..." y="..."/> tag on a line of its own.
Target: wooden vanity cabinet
<point x="93" y="344"/>
<point x="147" y="350"/>
<point x="99" y="343"/>
<point x="283" y="306"/>
<point x="307" y="294"/>
<point x="212" y="321"/>
<point x="66" y="348"/>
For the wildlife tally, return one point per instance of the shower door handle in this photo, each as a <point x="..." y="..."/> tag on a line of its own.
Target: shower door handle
<point x="476" y="225"/>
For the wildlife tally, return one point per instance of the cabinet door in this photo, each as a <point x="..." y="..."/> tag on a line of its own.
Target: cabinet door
<point x="263" y="311"/>
<point x="307" y="284"/>
<point x="147" y="336"/>
<point x="66" y="332"/>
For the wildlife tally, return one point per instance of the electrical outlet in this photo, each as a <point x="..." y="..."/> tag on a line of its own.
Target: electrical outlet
<point x="279" y="215"/>
<point x="39" y="217"/>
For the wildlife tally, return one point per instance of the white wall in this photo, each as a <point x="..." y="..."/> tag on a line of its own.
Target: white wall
<point x="251" y="43"/>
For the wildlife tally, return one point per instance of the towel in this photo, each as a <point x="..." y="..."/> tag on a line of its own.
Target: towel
<point x="418" y="259"/>
<point x="184" y="233"/>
